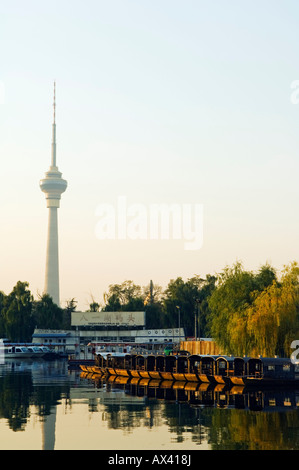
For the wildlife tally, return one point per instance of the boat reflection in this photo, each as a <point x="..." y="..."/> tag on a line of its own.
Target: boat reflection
<point x="190" y="412"/>
<point x="203" y="394"/>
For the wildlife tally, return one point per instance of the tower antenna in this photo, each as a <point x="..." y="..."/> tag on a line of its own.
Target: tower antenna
<point x="54" y="103"/>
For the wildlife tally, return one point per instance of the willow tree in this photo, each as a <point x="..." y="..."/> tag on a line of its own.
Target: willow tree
<point x="229" y="304"/>
<point x="273" y="321"/>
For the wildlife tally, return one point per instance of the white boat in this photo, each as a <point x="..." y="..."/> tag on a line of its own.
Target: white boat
<point x="36" y="351"/>
<point x="44" y="352"/>
<point x="14" y="351"/>
<point x="23" y="350"/>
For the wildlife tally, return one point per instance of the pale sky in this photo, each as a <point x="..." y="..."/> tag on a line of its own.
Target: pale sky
<point x="186" y="102"/>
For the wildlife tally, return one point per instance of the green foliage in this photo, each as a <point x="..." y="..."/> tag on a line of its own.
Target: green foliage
<point x="162" y="307"/>
<point x="255" y="313"/>
<point x="184" y="298"/>
<point x="273" y="318"/>
<point x="124" y="297"/>
<point x="20" y="314"/>
<point x="245" y="312"/>
<point x="17" y="313"/>
<point x="47" y="314"/>
<point x="67" y="313"/>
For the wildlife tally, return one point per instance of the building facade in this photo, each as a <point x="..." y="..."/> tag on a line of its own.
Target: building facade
<point x="108" y="329"/>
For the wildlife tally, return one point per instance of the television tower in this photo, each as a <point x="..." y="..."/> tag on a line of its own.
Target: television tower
<point x="53" y="186"/>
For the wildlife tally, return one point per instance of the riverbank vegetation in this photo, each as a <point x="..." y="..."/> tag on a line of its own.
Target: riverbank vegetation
<point x="256" y="313"/>
<point x="246" y="312"/>
<point x="20" y="313"/>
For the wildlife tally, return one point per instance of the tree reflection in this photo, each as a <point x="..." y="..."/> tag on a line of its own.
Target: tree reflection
<point x="223" y="418"/>
<point x="18" y="393"/>
<point x="253" y="420"/>
<point x="249" y="430"/>
<point x="15" y="396"/>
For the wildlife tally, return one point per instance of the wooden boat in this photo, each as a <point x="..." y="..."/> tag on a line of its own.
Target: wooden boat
<point x="94" y="369"/>
<point x="205" y="369"/>
<point x="135" y="373"/>
<point x="154" y="374"/>
<point x="141" y="367"/>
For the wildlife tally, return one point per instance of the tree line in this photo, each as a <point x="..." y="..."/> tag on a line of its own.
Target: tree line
<point x="183" y="303"/>
<point x="246" y="312"/>
<point x="256" y="313"/>
<point x="20" y="314"/>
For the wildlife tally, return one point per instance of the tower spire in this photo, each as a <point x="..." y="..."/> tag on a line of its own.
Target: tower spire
<point x="54" y="103"/>
<point x="53" y="161"/>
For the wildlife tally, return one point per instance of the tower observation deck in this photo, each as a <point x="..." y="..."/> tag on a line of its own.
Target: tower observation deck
<point x="53" y="186"/>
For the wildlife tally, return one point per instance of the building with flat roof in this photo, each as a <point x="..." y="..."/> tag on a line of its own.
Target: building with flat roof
<point x="108" y="329"/>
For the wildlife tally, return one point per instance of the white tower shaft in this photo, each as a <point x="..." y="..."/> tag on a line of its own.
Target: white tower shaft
<point x="52" y="260"/>
<point x="53" y="186"/>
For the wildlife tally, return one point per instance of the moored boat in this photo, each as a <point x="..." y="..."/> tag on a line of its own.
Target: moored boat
<point x="15" y="352"/>
<point x="221" y="370"/>
<point x="10" y="350"/>
<point x="36" y="351"/>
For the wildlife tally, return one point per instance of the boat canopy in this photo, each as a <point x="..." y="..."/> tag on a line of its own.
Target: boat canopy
<point x="223" y="364"/>
<point x="275" y="360"/>
<point x="194" y="363"/>
<point x="182" y="363"/>
<point x="150" y="362"/>
<point x="160" y="362"/>
<point x="170" y="363"/>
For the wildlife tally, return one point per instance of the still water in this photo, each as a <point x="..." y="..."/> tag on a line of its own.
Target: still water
<point x="43" y="405"/>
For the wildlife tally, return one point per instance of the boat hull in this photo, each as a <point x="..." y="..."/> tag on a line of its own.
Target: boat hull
<point x="135" y="373"/>
<point x="191" y="377"/>
<point x="122" y="372"/>
<point x="166" y="375"/>
<point x="237" y="380"/>
<point x="201" y="371"/>
<point x="155" y="374"/>
<point x="18" y="356"/>
<point x="220" y="379"/>
<point x="180" y="377"/>
<point x="144" y="374"/>
<point x="97" y="370"/>
<point x="203" y="378"/>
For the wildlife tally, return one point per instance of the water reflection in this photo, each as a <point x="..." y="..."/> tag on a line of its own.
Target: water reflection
<point x="233" y="418"/>
<point x="204" y="394"/>
<point x="26" y="383"/>
<point x="228" y="418"/>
